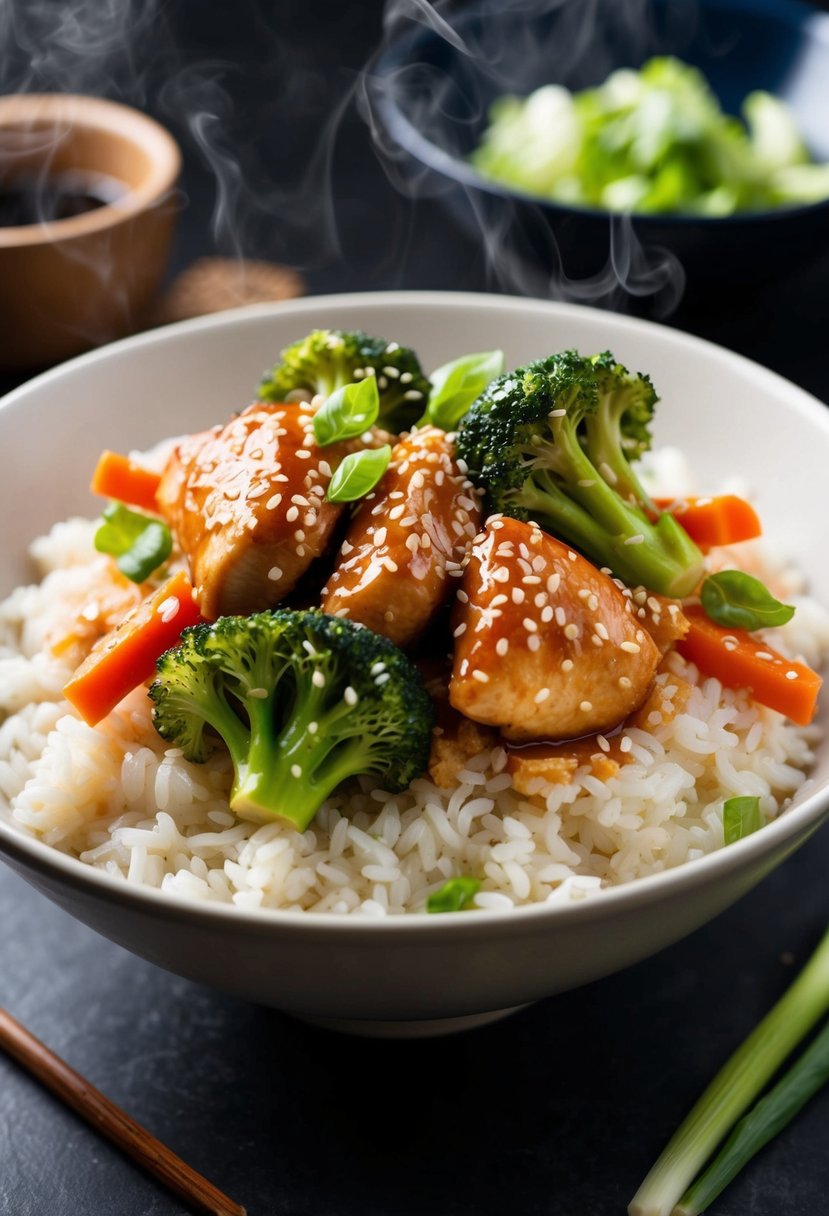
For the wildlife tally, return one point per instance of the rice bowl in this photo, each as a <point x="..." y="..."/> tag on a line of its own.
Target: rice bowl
<point x="266" y="860"/>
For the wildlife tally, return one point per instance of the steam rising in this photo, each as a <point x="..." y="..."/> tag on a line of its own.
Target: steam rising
<point x="268" y="102"/>
<point x="436" y="102"/>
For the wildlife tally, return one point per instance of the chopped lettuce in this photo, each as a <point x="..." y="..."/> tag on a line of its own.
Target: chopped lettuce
<point x="653" y="140"/>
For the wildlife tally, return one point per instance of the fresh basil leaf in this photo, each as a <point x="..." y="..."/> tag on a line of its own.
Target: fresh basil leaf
<point x="138" y="543"/>
<point x="457" y="384"/>
<point x="358" y="474"/>
<point x="741" y="817"/>
<point x="740" y="601"/>
<point x="348" y="412"/>
<point x="455" y="894"/>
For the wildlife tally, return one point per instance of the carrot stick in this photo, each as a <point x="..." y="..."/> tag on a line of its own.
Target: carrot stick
<point x="723" y="520"/>
<point x="125" y="657"/>
<point x="117" y="476"/>
<point x="739" y="660"/>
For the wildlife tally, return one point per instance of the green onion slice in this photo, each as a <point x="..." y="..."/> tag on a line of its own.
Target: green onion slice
<point x="455" y="894"/>
<point x="740" y="817"/>
<point x="740" y="601"/>
<point x="358" y="474"/>
<point x="348" y="412"/>
<point x="734" y="1088"/>
<point x="139" y="543"/>
<point x="455" y="386"/>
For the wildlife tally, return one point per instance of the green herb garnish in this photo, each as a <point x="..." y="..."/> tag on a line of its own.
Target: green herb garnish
<point x="348" y="412"/>
<point x="741" y="817"/>
<point x="455" y="895"/>
<point x="740" y="601"/>
<point x="455" y="386"/>
<point x="358" y="474"/>
<point x="139" y="543"/>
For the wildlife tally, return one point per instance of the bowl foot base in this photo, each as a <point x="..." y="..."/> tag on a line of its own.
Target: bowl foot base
<point x="425" y="1028"/>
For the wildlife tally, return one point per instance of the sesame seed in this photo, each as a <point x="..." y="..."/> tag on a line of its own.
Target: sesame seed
<point x="390" y="565"/>
<point x="406" y="377"/>
<point x="480" y="676"/>
<point x="502" y="646"/>
<point x="299" y="535"/>
<point x="638" y="539"/>
<point x="558" y="413"/>
<point x="413" y="542"/>
<point x="571" y="631"/>
<point x="603" y="743"/>
<point x="791" y="675"/>
<point x="655" y="718"/>
<point x="529" y="624"/>
<point x="546" y="615"/>
<point x="592" y="603"/>
<point x="573" y="556"/>
<point x="461" y="629"/>
<point x="729" y="645"/>
<point x="553" y="583"/>
<point x="763" y="654"/>
<point x="388" y="616"/>
<point x="607" y="473"/>
<point x="630" y="647"/>
<point x="303" y="453"/>
<point x="397" y="511"/>
<point x="168" y="608"/>
<point x="464" y="667"/>
<point x="501" y="575"/>
<point x="584" y="593"/>
<point x="380" y="536"/>
<point x="601" y="630"/>
<point x="349" y="696"/>
<point x="567" y="665"/>
<point x="318" y="679"/>
<point x="587" y="482"/>
<point x="413" y="394"/>
<point x="273" y="502"/>
<point x="382" y="679"/>
<point x="561" y="617"/>
<point x="533" y="642"/>
<point x="625" y="744"/>
<point x="296" y="770"/>
<point x="291" y="514"/>
<point x="625" y="682"/>
<point x="377" y="668"/>
<point x="541" y="696"/>
<point x="517" y="595"/>
<point x="313" y="727"/>
<point x="259" y="693"/>
<point x="586" y="706"/>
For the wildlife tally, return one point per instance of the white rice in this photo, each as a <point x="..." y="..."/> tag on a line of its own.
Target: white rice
<point x="119" y="799"/>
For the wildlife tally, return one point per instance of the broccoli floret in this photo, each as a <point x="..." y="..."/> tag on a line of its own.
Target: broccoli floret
<point x="553" y="442"/>
<point x="302" y="700"/>
<point x="330" y="358"/>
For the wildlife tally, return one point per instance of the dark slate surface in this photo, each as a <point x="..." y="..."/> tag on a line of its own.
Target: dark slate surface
<point x="558" y="1111"/>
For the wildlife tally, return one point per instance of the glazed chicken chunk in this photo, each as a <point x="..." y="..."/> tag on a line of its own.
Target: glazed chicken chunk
<point x="546" y="645"/>
<point x="247" y="502"/>
<point x="407" y="540"/>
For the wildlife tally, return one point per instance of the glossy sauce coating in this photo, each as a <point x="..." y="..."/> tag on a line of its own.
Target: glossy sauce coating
<point x="247" y="503"/>
<point x="407" y="541"/>
<point x="546" y="645"/>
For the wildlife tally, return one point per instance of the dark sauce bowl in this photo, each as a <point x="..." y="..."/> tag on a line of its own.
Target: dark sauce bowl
<point x="427" y="97"/>
<point x="89" y="203"/>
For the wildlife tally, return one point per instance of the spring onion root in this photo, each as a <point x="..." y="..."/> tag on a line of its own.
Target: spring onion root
<point x="734" y="1088"/>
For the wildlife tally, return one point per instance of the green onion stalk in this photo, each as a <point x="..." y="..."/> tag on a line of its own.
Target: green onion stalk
<point x="730" y="1094"/>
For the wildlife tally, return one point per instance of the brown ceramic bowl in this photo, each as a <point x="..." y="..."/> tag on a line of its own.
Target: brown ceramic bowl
<point x="72" y="283"/>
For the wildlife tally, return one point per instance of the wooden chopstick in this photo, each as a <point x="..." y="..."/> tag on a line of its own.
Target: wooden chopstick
<point x="112" y="1122"/>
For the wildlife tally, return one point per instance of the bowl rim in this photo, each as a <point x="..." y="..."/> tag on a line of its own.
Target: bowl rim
<point x="391" y="56"/>
<point x="94" y="113"/>
<point x="799" y="820"/>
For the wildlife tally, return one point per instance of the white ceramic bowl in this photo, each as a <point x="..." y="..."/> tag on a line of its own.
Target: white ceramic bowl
<point x="418" y="973"/>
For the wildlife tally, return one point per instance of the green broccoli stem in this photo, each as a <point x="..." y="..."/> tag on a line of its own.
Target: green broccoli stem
<point x="606" y="529"/>
<point x="604" y="431"/>
<point x="288" y="778"/>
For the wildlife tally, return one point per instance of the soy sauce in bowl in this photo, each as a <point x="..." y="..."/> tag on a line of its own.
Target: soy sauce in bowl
<point x="43" y="199"/>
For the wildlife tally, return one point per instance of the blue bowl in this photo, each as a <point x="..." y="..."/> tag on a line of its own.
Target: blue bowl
<point x="428" y="93"/>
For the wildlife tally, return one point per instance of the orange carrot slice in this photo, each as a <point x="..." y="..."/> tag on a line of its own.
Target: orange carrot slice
<point x="724" y="520"/>
<point x="740" y="660"/>
<point x="117" y="476"/>
<point x="125" y="657"/>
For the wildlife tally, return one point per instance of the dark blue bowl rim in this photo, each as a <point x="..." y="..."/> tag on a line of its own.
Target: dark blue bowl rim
<point x="813" y="23"/>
